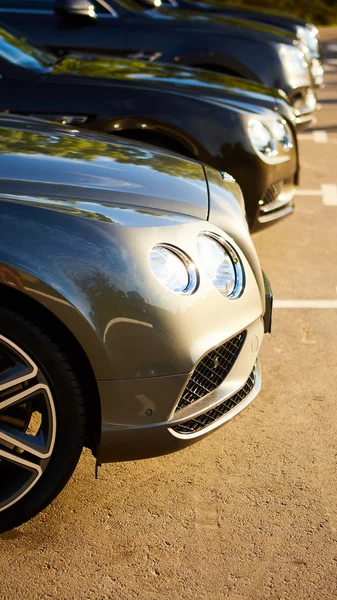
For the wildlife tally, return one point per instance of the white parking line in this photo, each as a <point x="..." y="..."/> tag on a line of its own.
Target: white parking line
<point x="308" y="192"/>
<point x="332" y="47"/>
<point x="329" y="68"/>
<point x="322" y="304"/>
<point x="304" y="136"/>
<point x="319" y="137"/>
<point x="328" y="193"/>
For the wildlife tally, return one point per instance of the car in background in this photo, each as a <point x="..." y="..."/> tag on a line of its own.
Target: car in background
<point x="304" y="30"/>
<point x="307" y="33"/>
<point x="250" y="134"/>
<point x="131" y="310"/>
<point x="253" y="51"/>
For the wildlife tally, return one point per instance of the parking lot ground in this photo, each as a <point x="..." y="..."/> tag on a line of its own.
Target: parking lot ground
<point x="250" y="513"/>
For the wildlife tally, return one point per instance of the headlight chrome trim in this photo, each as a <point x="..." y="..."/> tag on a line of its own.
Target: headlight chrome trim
<point x="240" y="276"/>
<point x="265" y="148"/>
<point x="191" y="269"/>
<point x="287" y="141"/>
<point x="278" y="149"/>
<point x="295" y="65"/>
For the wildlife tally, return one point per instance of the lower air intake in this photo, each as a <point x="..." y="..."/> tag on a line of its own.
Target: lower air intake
<point x="210" y="417"/>
<point x="212" y="370"/>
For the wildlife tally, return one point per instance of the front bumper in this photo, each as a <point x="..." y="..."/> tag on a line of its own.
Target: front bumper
<point x="317" y="73"/>
<point x="277" y="202"/>
<point x="268" y="313"/>
<point x="268" y="189"/>
<point x="147" y="418"/>
<point x="303" y="100"/>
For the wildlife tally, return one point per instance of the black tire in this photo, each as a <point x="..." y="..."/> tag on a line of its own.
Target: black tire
<point x="52" y="403"/>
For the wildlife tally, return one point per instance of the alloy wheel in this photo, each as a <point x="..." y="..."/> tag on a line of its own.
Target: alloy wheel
<point x="27" y="423"/>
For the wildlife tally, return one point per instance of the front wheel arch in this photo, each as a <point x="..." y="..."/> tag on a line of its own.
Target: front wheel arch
<point x="159" y="139"/>
<point x="219" y="63"/>
<point x="222" y="70"/>
<point x="28" y="308"/>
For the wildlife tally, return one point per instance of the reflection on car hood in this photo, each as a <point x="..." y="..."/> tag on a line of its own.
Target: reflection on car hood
<point x="228" y="25"/>
<point x="191" y="82"/>
<point x="261" y="15"/>
<point x="38" y="158"/>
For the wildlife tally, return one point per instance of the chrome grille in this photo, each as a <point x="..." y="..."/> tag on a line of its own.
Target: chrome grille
<point x="208" y="418"/>
<point x="212" y="370"/>
<point x="272" y="193"/>
<point x="297" y="97"/>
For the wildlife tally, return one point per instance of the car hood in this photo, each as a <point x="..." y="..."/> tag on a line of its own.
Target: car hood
<point x="59" y="169"/>
<point x="38" y="158"/>
<point x="215" y="23"/>
<point x="169" y="78"/>
<point x="270" y="17"/>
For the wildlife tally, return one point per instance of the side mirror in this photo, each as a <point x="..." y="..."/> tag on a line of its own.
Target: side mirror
<point x="76" y="9"/>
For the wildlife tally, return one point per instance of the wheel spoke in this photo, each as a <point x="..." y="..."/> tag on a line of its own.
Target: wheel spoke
<point x="32" y="444"/>
<point x="19" y="369"/>
<point x="22" y="396"/>
<point x="34" y="472"/>
<point x="35" y="445"/>
<point x="20" y="461"/>
<point x="27" y="423"/>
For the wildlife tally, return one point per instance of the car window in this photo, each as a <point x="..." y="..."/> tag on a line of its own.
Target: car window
<point x="16" y="51"/>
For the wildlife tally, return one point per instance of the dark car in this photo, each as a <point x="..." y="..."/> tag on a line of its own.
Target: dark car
<point x="307" y="33"/>
<point x="131" y="306"/>
<point x="179" y="109"/>
<point x="304" y="30"/>
<point x="249" y="50"/>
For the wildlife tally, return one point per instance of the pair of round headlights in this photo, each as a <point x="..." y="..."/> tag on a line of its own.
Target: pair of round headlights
<point x="173" y="269"/>
<point x="267" y="139"/>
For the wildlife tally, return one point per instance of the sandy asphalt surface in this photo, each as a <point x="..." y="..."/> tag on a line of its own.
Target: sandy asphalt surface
<point x="250" y="513"/>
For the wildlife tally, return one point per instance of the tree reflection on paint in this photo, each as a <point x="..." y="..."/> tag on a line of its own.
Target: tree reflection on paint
<point x="77" y="147"/>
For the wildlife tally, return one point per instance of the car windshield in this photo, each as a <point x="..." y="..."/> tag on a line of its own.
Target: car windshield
<point x="18" y="52"/>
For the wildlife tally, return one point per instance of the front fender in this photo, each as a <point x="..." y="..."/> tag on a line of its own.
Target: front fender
<point x="220" y="62"/>
<point x="89" y="266"/>
<point x="69" y="260"/>
<point x="230" y="218"/>
<point x="250" y="58"/>
<point x="33" y="274"/>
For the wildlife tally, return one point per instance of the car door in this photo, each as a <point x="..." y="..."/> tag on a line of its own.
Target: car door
<point x="36" y="19"/>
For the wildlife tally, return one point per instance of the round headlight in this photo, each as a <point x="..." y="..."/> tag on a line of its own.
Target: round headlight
<point x="222" y="265"/>
<point x="295" y="65"/>
<point x="262" y="139"/>
<point x="282" y="133"/>
<point x="173" y="269"/>
<point x="312" y="40"/>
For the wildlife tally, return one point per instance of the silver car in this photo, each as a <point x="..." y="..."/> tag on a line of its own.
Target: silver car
<point x="132" y="307"/>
